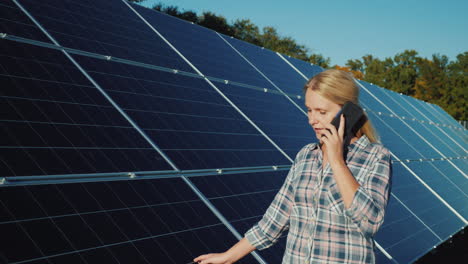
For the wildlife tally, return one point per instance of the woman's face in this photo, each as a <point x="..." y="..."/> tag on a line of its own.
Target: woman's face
<point x="320" y="111"/>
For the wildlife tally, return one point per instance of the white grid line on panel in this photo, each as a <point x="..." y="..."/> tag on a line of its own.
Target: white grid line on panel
<point x="435" y="113"/>
<point x="419" y="219"/>
<point x="384" y="251"/>
<point x="428" y="121"/>
<point x="446" y="117"/>
<point x="427" y="142"/>
<point x="292" y="66"/>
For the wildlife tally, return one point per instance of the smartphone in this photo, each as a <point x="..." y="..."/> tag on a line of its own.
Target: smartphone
<point x="354" y="120"/>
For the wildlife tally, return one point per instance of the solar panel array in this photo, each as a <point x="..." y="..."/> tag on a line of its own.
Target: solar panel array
<point x="129" y="136"/>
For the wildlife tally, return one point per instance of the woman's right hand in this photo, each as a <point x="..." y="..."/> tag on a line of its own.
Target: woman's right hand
<point x="213" y="258"/>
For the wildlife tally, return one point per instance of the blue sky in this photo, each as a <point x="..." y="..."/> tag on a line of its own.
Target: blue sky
<point x="345" y="30"/>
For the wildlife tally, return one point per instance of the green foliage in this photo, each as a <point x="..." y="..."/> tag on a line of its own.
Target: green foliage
<point x="215" y="22"/>
<point x="320" y="60"/>
<point x="434" y="80"/>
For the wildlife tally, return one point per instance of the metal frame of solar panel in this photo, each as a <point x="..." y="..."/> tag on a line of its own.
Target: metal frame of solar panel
<point x="133" y="136"/>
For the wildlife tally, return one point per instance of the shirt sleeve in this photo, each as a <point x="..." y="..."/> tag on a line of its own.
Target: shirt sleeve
<point x="276" y="218"/>
<point x="367" y="209"/>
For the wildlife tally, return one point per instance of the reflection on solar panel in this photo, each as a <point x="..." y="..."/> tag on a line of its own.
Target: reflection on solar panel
<point x="131" y="136"/>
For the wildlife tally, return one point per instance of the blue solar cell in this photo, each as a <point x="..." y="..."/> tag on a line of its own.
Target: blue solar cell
<point x="367" y="95"/>
<point x="184" y="116"/>
<point x="52" y="115"/>
<point x="391" y="138"/>
<point x="308" y="69"/>
<point x="380" y="258"/>
<point x="275" y="115"/>
<point x="205" y="49"/>
<point x="13" y="21"/>
<point x="270" y="64"/>
<point x="138" y="228"/>
<point x="450" y="120"/>
<point x="105" y="27"/>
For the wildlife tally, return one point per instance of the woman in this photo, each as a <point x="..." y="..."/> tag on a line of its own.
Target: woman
<point x="332" y="207"/>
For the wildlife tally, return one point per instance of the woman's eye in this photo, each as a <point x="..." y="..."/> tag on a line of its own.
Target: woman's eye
<point x="322" y="113"/>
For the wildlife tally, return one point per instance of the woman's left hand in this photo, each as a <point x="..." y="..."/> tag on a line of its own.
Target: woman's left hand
<point x="333" y="139"/>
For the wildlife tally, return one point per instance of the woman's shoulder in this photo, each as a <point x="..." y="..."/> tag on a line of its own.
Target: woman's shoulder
<point x="379" y="149"/>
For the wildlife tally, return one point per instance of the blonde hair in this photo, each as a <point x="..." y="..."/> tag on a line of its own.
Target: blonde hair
<point x="339" y="87"/>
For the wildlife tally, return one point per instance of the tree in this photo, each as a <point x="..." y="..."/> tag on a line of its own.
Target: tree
<point x="320" y="60"/>
<point x="216" y="23"/>
<point x="356" y="74"/>
<point x="355" y="65"/>
<point x="402" y="76"/>
<point x="457" y="87"/>
<point x="245" y="30"/>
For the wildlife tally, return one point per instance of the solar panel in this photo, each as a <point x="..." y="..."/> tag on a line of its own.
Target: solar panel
<point x="184" y="116"/>
<point x="303" y="68"/>
<point x="279" y="72"/>
<point x="203" y="48"/>
<point x="52" y="115"/>
<point x="133" y="136"/>
<point x="426" y="130"/>
<point x="104" y="27"/>
<point x="144" y="221"/>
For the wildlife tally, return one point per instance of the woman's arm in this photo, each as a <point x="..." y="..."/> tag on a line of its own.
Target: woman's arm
<point x="364" y="204"/>
<point x="236" y="252"/>
<point x="268" y="230"/>
<point x="367" y="209"/>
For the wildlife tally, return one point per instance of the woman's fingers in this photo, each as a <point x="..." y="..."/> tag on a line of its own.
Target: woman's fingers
<point x="213" y="258"/>
<point x="341" y="129"/>
<point x="331" y="128"/>
<point x="201" y="257"/>
<point x="326" y="133"/>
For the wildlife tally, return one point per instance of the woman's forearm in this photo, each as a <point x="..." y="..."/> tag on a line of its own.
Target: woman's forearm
<point x="346" y="182"/>
<point x="239" y="250"/>
<point x="236" y="252"/>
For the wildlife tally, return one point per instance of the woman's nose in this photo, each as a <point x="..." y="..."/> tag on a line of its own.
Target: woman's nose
<point x="312" y="120"/>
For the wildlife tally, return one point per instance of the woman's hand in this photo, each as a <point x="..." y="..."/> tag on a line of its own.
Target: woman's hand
<point x="214" y="258"/>
<point x="333" y="140"/>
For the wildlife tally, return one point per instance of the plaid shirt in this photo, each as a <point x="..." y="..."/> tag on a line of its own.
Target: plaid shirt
<point x="309" y="204"/>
